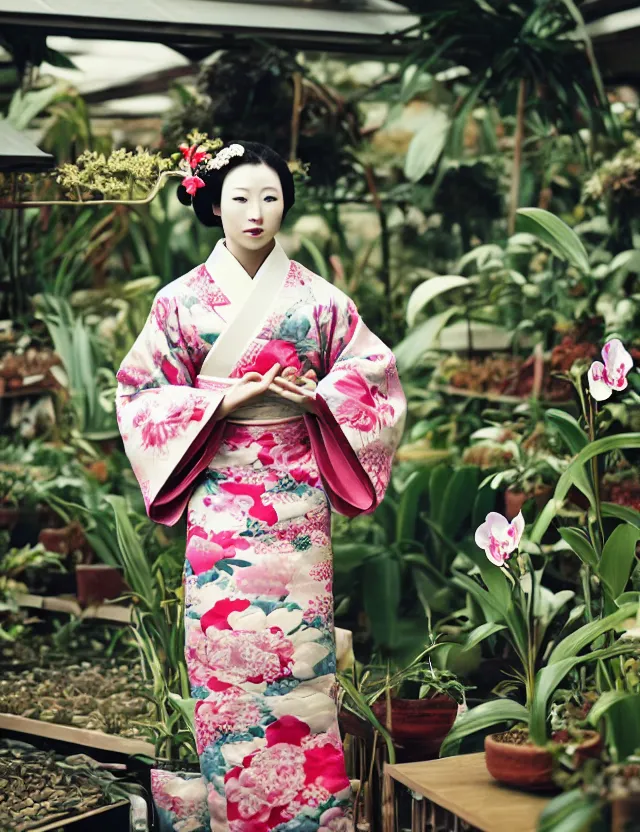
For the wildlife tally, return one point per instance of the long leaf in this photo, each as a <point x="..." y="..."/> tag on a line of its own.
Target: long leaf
<point x="618" y="558"/>
<point x="484" y="716"/>
<point x="581" y="545"/>
<point x="622" y="712"/>
<point x="568" y="812"/>
<point x="626" y="513"/>
<point x="426" y="146"/>
<point x="481" y="633"/>
<point x="619" y="441"/>
<point x="416" y="485"/>
<point x="555" y="234"/>
<point x="568" y="428"/>
<point x="456" y="507"/>
<point x="411" y="349"/>
<point x="570" y="646"/>
<point x="430" y="289"/>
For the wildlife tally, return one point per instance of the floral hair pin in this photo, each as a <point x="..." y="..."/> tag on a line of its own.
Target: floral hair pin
<point x="195" y="154"/>
<point x="224" y="156"/>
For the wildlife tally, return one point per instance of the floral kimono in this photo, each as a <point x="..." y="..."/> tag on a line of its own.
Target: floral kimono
<point x="258" y="487"/>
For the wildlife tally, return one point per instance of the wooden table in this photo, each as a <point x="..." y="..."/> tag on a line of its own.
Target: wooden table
<point x="463" y="786"/>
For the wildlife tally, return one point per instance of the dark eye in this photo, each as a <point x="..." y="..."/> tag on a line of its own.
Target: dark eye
<point x="271" y="199"/>
<point x="239" y="199"/>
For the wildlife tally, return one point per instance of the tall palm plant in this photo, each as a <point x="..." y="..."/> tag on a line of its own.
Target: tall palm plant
<point x="527" y="54"/>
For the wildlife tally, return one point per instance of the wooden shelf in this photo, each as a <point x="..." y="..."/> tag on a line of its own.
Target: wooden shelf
<point x="29" y="390"/>
<point x="105" y="612"/>
<point x="462" y="785"/>
<point x="78" y="736"/>
<point x="85" y="820"/>
<point x="449" y="390"/>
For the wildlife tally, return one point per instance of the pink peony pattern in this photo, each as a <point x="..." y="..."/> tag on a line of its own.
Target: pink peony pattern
<point x="259" y="630"/>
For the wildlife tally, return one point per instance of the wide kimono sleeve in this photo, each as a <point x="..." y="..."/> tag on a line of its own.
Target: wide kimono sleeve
<point x="361" y="409"/>
<point x="168" y="427"/>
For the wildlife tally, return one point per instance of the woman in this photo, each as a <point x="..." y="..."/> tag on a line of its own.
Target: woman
<point x="256" y="398"/>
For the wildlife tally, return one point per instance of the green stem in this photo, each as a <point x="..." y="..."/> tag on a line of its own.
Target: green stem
<point x="585" y="575"/>
<point x="594" y="470"/>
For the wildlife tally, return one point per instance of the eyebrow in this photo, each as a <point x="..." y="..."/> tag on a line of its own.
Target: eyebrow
<point x="266" y="188"/>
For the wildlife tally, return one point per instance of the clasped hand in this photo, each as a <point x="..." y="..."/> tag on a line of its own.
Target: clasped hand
<point x="252" y="385"/>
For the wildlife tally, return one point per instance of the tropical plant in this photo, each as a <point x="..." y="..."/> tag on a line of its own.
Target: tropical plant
<point x="158" y="627"/>
<point x="611" y="558"/>
<point x="508" y="53"/>
<point x="514" y="601"/>
<point x="90" y="381"/>
<point x="400" y="566"/>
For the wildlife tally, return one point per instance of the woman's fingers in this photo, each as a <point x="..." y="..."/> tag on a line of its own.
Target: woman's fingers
<point x="293" y="388"/>
<point x="292" y="397"/>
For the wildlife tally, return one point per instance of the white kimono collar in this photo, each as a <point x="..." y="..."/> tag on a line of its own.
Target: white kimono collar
<point x="251" y="301"/>
<point x="232" y="278"/>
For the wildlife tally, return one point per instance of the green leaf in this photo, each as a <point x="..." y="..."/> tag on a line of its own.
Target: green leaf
<point x="484" y="502"/>
<point x="568" y="812"/>
<point x="555" y="234"/>
<point x="441" y="475"/>
<point x="481" y="633"/>
<point x="411" y="349"/>
<point x="568" y="428"/>
<point x="185" y="707"/>
<point x="626" y="513"/>
<point x="570" y="646"/>
<point x="547" y="680"/>
<point x="319" y="261"/>
<point x="456" y="506"/>
<point x="619" y="441"/>
<point x="581" y="545"/>
<point x="416" y="485"/>
<point x="622" y="712"/>
<point x="430" y="289"/>
<point x="381" y="596"/>
<point x="360" y="704"/>
<point x="426" y="146"/>
<point x="484" y="716"/>
<point x="618" y="558"/>
<point x="490" y="608"/>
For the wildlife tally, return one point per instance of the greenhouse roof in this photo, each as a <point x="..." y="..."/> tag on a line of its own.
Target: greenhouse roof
<point x="17" y="153"/>
<point x="315" y="24"/>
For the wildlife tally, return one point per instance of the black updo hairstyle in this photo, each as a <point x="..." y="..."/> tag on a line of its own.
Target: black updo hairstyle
<point x="255" y="153"/>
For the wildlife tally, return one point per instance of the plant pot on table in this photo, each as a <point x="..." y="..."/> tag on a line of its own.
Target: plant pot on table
<point x="97" y="582"/>
<point x="513" y="760"/>
<point x="9" y="516"/>
<point x="418" y="726"/>
<point x="514" y="500"/>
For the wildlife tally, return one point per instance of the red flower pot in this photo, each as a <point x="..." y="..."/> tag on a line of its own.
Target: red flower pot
<point x="98" y="582"/>
<point x="529" y="766"/>
<point x="418" y="726"/>
<point x="9" y="516"/>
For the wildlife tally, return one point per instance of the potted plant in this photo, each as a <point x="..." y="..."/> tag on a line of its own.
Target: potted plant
<point x="532" y="472"/>
<point x="178" y="788"/>
<point x="524" y="756"/>
<point x="418" y="704"/>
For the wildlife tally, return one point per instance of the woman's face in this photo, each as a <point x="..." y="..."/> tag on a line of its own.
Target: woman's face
<point x="251" y="206"/>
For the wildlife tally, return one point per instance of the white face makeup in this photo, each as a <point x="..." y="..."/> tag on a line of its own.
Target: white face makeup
<point x="251" y="207"/>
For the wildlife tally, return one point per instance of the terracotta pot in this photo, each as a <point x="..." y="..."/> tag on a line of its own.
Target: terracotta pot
<point x="9" y="516"/>
<point x="529" y="766"/>
<point x="354" y="725"/>
<point x="418" y="726"/>
<point x="514" y="500"/>
<point x="98" y="582"/>
<point x="625" y="812"/>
